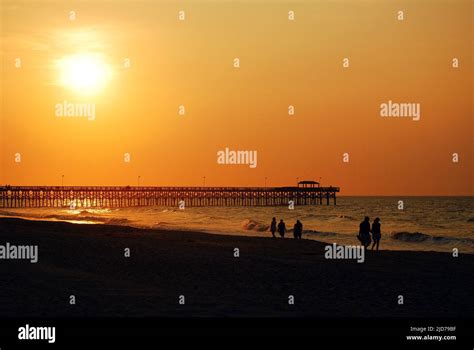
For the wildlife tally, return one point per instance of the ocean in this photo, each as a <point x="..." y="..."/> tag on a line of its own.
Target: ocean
<point x="424" y="223"/>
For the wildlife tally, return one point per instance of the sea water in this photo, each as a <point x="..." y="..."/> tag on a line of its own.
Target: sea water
<point x="424" y="223"/>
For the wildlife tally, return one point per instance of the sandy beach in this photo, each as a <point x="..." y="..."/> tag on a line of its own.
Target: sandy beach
<point x="88" y="261"/>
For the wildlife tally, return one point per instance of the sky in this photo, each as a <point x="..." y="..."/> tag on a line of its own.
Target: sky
<point x="336" y="134"/>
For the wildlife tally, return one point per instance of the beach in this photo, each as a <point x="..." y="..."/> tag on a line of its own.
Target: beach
<point x="426" y="223"/>
<point x="88" y="262"/>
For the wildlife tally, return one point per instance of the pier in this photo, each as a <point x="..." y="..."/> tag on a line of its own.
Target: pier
<point x="306" y="193"/>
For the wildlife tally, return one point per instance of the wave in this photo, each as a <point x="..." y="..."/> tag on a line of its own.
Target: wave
<point x="326" y="217"/>
<point x="347" y="217"/>
<point x="252" y="225"/>
<point x="410" y="236"/>
<point x="321" y="233"/>
<point x="165" y="223"/>
<point x="90" y="218"/>
<point x="83" y="215"/>
<point x="418" y="237"/>
<point x="168" y="210"/>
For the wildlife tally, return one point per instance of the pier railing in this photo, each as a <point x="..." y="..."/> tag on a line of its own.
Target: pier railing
<point x="130" y="196"/>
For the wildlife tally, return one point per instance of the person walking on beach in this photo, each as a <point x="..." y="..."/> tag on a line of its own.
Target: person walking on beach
<point x="282" y="228"/>
<point x="298" y="230"/>
<point x="273" y="227"/>
<point x="376" y="233"/>
<point x="364" y="232"/>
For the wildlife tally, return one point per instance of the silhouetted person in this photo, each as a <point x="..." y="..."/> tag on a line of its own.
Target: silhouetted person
<point x="376" y="233"/>
<point x="364" y="232"/>
<point x="298" y="230"/>
<point x="273" y="227"/>
<point x="281" y="228"/>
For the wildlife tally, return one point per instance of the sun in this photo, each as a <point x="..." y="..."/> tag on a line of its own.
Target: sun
<point x="84" y="73"/>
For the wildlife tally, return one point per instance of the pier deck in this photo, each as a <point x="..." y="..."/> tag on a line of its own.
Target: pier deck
<point x="129" y="196"/>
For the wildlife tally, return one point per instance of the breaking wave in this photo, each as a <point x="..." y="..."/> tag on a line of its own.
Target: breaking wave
<point x="84" y="215"/>
<point x="252" y="225"/>
<point x="418" y="237"/>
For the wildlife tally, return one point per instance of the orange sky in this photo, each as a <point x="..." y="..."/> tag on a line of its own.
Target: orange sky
<point x="283" y="63"/>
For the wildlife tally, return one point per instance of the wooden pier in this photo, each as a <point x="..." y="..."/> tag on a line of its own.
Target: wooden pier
<point x="113" y="197"/>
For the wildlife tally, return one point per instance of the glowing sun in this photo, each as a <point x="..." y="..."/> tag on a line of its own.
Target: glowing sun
<point x="84" y="73"/>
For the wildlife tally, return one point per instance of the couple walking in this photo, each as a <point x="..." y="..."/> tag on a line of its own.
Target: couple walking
<point x="297" y="229"/>
<point x="365" y="230"/>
